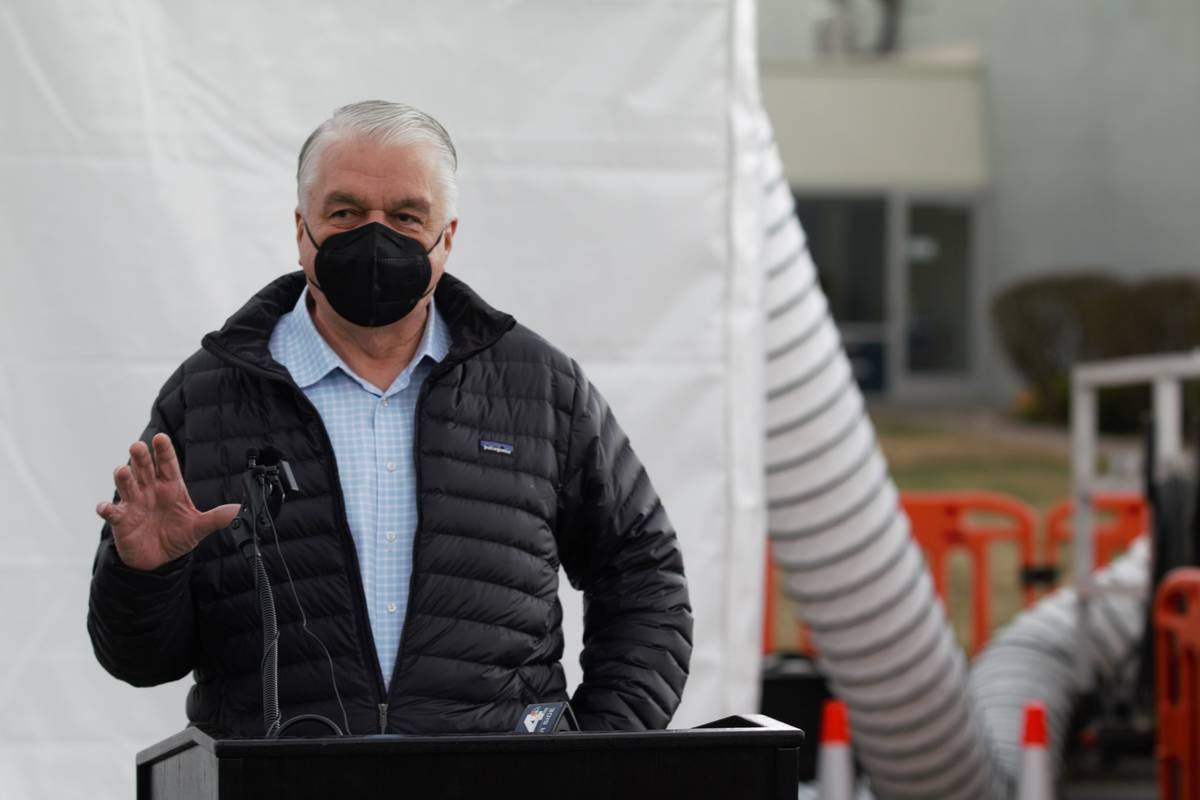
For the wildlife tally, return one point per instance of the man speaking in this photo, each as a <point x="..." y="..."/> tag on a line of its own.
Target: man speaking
<point x="448" y="458"/>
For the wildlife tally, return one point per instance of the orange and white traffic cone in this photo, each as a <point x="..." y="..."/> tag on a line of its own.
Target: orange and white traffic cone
<point x="835" y="764"/>
<point x="1037" y="780"/>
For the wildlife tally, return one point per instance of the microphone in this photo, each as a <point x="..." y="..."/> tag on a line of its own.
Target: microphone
<point x="267" y="480"/>
<point x="272" y="459"/>
<point x="268" y="456"/>
<point x="547" y="718"/>
<point x="265" y="483"/>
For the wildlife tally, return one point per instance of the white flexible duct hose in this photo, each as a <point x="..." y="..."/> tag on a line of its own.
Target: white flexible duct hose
<point x="1034" y="656"/>
<point x="843" y="544"/>
<point x="920" y="728"/>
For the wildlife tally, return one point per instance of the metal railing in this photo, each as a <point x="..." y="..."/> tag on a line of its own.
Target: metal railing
<point x="1166" y="374"/>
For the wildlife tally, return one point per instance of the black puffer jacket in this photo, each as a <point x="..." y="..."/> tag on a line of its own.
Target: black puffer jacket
<point x="483" y="633"/>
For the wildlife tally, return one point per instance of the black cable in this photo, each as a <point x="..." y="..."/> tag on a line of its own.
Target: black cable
<point x="269" y="666"/>
<point x="304" y="623"/>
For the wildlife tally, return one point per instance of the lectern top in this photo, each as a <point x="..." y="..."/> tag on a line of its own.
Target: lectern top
<point x="755" y="730"/>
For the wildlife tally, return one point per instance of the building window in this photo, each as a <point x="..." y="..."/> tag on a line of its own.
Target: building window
<point x="847" y="238"/>
<point x="938" y="253"/>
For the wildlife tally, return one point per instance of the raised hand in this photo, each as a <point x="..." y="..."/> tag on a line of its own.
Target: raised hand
<point x="155" y="520"/>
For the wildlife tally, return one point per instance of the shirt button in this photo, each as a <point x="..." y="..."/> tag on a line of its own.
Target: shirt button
<point x="391" y="607"/>
<point x="391" y="536"/>
<point x="391" y="466"/>
<point x="385" y="401"/>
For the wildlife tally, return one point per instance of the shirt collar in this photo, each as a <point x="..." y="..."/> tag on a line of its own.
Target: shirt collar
<point x="309" y="358"/>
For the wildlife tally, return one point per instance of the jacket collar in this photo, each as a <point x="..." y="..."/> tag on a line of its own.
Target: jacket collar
<point x="473" y="324"/>
<point x="298" y="345"/>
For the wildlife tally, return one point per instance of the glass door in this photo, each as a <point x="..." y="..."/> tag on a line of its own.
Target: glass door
<point x="937" y="252"/>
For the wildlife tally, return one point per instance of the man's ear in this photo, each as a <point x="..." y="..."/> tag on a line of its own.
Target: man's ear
<point x="299" y="226"/>
<point x="448" y="236"/>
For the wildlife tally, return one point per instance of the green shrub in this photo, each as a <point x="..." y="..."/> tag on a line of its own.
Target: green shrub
<point x="1048" y="324"/>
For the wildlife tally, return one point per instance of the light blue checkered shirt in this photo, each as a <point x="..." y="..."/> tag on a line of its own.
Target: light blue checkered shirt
<point x="372" y="436"/>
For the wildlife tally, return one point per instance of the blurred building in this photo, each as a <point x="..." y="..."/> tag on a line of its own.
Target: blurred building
<point x="941" y="149"/>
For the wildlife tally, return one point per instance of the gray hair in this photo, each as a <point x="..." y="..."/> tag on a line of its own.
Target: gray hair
<point x="388" y="123"/>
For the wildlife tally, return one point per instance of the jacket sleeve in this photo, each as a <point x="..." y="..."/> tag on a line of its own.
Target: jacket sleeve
<point x="617" y="546"/>
<point x="140" y="622"/>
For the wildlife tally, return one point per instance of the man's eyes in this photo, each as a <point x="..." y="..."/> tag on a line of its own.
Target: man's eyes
<point x="400" y="219"/>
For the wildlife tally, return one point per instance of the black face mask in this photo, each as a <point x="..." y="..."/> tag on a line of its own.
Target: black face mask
<point x="371" y="275"/>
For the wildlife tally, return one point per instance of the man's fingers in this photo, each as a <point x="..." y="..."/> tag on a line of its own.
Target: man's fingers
<point x="139" y="461"/>
<point x="164" y="454"/>
<point x="126" y="484"/>
<point x="109" y="512"/>
<point x="216" y="519"/>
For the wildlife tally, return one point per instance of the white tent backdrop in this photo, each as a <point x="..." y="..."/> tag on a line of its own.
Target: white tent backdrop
<point x="608" y="199"/>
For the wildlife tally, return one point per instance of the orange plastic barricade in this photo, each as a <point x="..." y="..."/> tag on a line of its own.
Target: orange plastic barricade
<point x="1120" y="518"/>
<point x="803" y="641"/>
<point x="1177" y="683"/>
<point x="941" y="522"/>
<point x="770" y="611"/>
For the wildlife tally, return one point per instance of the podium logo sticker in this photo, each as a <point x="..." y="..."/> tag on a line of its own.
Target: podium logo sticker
<point x="540" y="718"/>
<point x="492" y="446"/>
<point x="533" y="718"/>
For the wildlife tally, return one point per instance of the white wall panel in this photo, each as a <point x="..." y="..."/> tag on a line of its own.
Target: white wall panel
<point x="147" y="152"/>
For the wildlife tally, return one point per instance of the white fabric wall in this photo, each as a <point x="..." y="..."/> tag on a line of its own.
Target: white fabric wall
<point x="146" y="159"/>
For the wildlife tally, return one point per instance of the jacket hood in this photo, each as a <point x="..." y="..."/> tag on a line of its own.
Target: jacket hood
<point x="473" y="324"/>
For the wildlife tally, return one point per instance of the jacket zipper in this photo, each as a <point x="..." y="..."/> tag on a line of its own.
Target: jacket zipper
<point x="437" y="372"/>
<point x="359" y="598"/>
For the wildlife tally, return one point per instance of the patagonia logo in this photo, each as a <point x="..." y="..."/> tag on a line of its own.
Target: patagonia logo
<point x="490" y="446"/>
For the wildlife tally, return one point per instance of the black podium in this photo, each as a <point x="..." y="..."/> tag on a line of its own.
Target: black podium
<point x="745" y="758"/>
